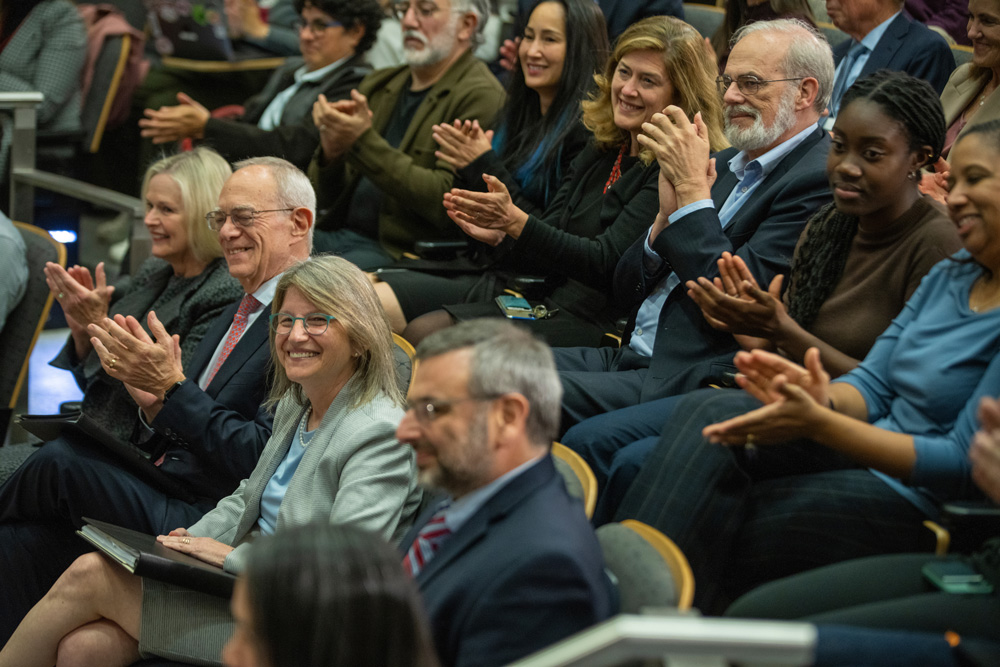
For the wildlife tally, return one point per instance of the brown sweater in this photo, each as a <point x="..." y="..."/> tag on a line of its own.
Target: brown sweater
<point x="884" y="267"/>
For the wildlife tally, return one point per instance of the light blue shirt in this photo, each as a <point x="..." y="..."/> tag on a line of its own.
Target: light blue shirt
<point x="271" y="118"/>
<point x="749" y="176"/>
<point x="277" y="486"/>
<point x="869" y="42"/>
<point x="461" y="510"/>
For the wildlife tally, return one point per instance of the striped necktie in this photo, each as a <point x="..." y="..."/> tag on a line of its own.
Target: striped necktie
<point x="247" y="306"/>
<point x="428" y="541"/>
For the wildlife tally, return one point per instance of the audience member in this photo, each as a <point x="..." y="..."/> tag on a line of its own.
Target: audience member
<point x="883" y="36"/>
<point x="327" y="596"/>
<point x="539" y="135"/>
<point x="185" y="282"/>
<point x="206" y="425"/>
<point x="969" y="92"/>
<point x="890" y="591"/>
<point x="859" y="260"/>
<point x="509" y="564"/>
<point x="776" y="85"/>
<point x="620" y="14"/>
<point x="950" y="16"/>
<point x="845" y="469"/>
<point x="657" y="62"/>
<point x="332" y="457"/>
<point x="43" y="45"/>
<point x="379" y="181"/>
<point x="13" y="268"/>
<point x="741" y="12"/>
<point x="333" y="37"/>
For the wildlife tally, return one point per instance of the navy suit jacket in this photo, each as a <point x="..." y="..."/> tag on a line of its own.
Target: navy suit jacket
<point x="524" y="572"/>
<point x="689" y="353"/>
<point x="619" y="14"/>
<point x="213" y="438"/>
<point x="908" y="46"/>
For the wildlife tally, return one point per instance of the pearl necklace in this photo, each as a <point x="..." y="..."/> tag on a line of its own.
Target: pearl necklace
<point x="302" y="426"/>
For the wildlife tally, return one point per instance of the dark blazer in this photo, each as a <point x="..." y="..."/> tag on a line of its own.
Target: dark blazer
<point x="688" y="352"/>
<point x="619" y="14"/>
<point x="212" y="439"/>
<point x="524" y="572"/>
<point x="908" y="46"/>
<point x="296" y="137"/>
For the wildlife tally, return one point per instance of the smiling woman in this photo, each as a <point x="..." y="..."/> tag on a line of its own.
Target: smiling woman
<point x="332" y="457"/>
<point x="185" y="282"/>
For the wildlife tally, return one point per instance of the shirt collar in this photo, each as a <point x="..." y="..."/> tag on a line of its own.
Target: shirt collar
<point x="871" y="40"/>
<point x="738" y="164"/>
<point x="265" y="293"/>
<point x="301" y="74"/>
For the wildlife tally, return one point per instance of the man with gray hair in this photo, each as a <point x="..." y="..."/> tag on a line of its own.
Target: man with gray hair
<point x="201" y="420"/>
<point x="508" y="564"/>
<point x="380" y="183"/>
<point x="776" y="84"/>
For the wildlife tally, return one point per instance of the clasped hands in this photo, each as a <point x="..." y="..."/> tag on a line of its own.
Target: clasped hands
<point x="794" y="397"/>
<point x="147" y="367"/>
<point x="340" y="123"/>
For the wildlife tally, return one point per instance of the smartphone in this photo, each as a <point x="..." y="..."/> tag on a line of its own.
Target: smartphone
<point x="956" y="576"/>
<point x="515" y="307"/>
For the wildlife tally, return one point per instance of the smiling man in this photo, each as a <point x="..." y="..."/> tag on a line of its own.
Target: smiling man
<point x="333" y="37"/>
<point x="508" y="564"/>
<point x="776" y="84"/>
<point x="202" y="423"/>
<point x="379" y="181"/>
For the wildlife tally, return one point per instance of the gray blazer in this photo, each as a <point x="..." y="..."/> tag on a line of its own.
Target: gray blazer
<point x="959" y="92"/>
<point x="353" y="471"/>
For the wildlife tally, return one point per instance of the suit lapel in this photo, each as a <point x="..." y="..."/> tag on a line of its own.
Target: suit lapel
<point x="495" y="509"/>
<point x="203" y="353"/>
<point x="250" y="342"/>
<point x="887" y="46"/>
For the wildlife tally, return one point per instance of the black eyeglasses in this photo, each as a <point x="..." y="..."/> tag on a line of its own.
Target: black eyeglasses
<point x="423" y="10"/>
<point x="243" y="216"/>
<point x="427" y="410"/>
<point x="315" y="324"/>
<point x="747" y="84"/>
<point x="316" y="26"/>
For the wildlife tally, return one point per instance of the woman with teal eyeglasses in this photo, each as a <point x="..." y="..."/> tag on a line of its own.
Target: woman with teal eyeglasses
<point x="333" y="456"/>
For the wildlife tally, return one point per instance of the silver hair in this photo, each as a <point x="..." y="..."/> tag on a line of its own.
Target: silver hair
<point x="808" y="54"/>
<point x="293" y="188"/>
<point x="506" y="359"/>
<point x="481" y="8"/>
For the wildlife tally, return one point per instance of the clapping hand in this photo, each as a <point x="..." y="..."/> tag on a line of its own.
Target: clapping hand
<point x="168" y="124"/>
<point x="129" y="354"/>
<point x="341" y="123"/>
<point x="985" y="450"/>
<point x="82" y="302"/>
<point x="492" y="210"/>
<point x="461" y="143"/>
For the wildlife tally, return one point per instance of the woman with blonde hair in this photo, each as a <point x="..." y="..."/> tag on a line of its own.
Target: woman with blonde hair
<point x="607" y="199"/>
<point x="186" y="281"/>
<point x="332" y="457"/>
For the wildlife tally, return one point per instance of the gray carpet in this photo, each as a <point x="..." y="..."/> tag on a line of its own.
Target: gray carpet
<point x="12" y="456"/>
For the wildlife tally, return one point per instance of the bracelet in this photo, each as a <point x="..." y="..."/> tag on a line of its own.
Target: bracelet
<point x="170" y="392"/>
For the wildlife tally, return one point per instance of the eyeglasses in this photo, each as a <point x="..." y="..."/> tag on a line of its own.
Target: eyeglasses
<point x="747" y="83"/>
<point x="427" y="410"/>
<point x="314" y="324"/>
<point x="423" y="10"/>
<point x="242" y="216"/>
<point x="317" y="27"/>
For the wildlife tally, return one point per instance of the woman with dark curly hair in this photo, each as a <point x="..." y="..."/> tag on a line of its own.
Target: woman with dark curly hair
<point x="327" y="596"/>
<point x="856" y="264"/>
<point x="333" y="37"/>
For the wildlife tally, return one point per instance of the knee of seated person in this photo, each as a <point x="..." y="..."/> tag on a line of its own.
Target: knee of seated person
<point x="423" y="326"/>
<point x="83" y="577"/>
<point x="80" y="648"/>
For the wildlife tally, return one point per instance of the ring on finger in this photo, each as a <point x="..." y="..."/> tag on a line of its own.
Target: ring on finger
<point x="186" y="540"/>
<point x="60" y="295"/>
<point x="751" y="442"/>
<point x="112" y="361"/>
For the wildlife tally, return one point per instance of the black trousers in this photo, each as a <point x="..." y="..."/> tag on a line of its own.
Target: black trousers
<point x="44" y="502"/>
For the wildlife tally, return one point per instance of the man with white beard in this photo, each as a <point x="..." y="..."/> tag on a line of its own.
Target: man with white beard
<point x="776" y="85"/>
<point x="379" y="183"/>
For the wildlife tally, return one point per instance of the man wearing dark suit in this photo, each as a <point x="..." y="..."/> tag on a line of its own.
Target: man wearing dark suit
<point x="883" y="36"/>
<point x="205" y="429"/>
<point x="620" y="14"/>
<point x="509" y="564"/>
<point x="333" y="39"/>
<point x="768" y="185"/>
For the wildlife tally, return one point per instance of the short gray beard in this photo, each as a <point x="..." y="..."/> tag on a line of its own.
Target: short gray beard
<point x="757" y="136"/>
<point x="435" y="50"/>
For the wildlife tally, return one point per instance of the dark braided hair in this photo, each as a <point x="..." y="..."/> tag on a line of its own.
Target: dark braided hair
<point x="819" y="262"/>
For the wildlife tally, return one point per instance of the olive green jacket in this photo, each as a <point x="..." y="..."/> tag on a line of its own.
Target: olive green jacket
<point x="413" y="179"/>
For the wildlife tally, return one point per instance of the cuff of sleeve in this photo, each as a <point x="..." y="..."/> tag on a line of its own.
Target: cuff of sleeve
<point x="938" y="467"/>
<point x="651" y="260"/>
<point x="689" y="208"/>
<point x="145" y="431"/>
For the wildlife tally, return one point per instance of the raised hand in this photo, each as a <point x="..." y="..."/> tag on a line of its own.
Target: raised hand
<point x="341" y="123"/>
<point x="790" y="417"/>
<point x="461" y="143"/>
<point x="81" y="301"/>
<point x="682" y="150"/>
<point x="128" y="353"/>
<point x="763" y="375"/>
<point x="508" y="53"/>
<point x="489" y="210"/>
<point x="168" y="124"/>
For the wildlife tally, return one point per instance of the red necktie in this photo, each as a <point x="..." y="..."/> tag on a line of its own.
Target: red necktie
<point x="247" y="306"/>
<point x="428" y="541"/>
